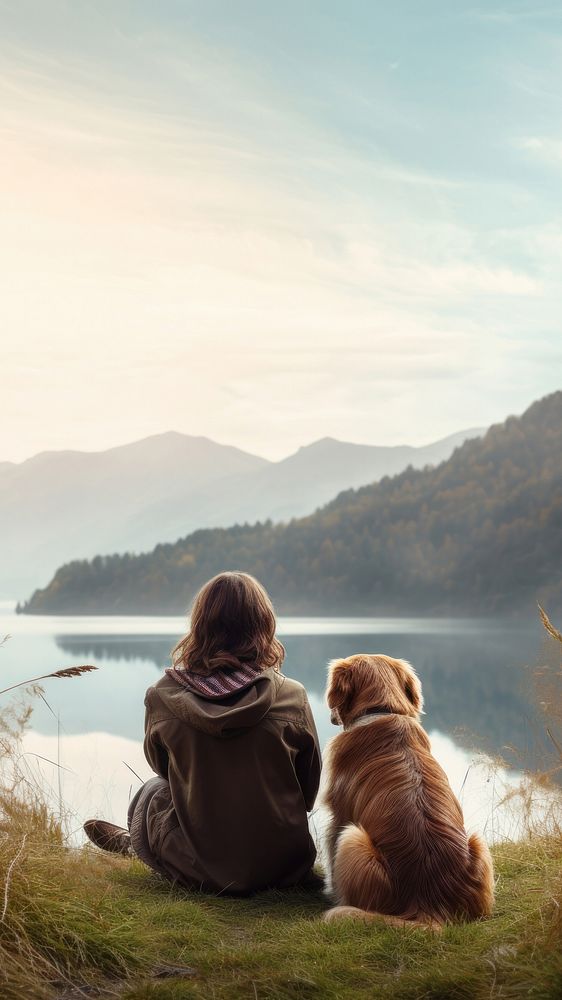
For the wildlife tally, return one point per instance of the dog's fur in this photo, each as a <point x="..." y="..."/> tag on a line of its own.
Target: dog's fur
<point x="397" y="845"/>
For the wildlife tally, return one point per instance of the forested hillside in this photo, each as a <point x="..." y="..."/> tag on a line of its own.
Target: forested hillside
<point x="481" y="533"/>
<point x="65" y="505"/>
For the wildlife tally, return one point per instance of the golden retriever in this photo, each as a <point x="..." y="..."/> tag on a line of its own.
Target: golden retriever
<point x="397" y="846"/>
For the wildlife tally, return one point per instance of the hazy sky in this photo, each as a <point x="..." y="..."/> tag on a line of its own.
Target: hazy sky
<point x="270" y="222"/>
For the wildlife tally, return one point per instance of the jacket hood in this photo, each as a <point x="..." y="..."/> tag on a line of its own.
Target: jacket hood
<point x="221" y="717"/>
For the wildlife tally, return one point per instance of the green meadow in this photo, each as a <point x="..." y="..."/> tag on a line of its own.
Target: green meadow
<point x="77" y="923"/>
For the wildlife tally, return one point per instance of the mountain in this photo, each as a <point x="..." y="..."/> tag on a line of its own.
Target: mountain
<point x="65" y="505"/>
<point x="316" y="473"/>
<point x="481" y="533"/>
<point x="59" y="505"/>
<point x="278" y="491"/>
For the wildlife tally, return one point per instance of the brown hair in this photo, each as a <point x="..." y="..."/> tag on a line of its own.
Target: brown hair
<point x="232" y="623"/>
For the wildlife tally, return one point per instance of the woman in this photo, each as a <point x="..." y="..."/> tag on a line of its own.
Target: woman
<point x="235" y="748"/>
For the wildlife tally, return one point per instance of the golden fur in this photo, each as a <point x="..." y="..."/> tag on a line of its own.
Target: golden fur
<point x="397" y="845"/>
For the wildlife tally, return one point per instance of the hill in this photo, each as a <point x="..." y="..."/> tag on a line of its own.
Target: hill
<point x="66" y="505"/>
<point x="59" y="505"/>
<point x="481" y="533"/>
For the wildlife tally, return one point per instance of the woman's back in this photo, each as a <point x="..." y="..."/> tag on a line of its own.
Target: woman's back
<point x="235" y="750"/>
<point x="242" y="771"/>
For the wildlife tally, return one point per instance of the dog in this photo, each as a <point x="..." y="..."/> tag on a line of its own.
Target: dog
<point x="396" y="843"/>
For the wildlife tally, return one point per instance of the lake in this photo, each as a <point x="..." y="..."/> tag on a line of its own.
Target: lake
<point x="477" y="679"/>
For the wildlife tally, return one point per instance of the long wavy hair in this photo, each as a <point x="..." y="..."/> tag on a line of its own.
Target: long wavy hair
<point x="232" y="624"/>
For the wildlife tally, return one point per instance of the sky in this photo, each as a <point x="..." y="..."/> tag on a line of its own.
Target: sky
<point x="269" y="223"/>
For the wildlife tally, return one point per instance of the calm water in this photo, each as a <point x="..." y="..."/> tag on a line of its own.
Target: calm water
<point x="476" y="677"/>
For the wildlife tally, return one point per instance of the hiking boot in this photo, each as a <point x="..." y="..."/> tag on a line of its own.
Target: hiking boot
<point x="108" y="836"/>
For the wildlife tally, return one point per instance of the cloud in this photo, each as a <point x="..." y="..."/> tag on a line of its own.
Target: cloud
<point x="548" y="150"/>
<point x="511" y="15"/>
<point x="186" y="246"/>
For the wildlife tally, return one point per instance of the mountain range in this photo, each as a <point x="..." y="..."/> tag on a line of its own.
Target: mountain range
<point x="65" y="505"/>
<point x="481" y="533"/>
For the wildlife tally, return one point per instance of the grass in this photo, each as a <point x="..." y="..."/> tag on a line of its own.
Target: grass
<point x="78" y="923"/>
<point x="77" y="920"/>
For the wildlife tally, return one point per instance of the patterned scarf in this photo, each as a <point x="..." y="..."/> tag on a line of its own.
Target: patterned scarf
<point x="219" y="684"/>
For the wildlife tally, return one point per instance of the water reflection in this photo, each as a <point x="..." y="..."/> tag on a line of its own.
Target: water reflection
<point x="103" y="771"/>
<point x="476" y="680"/>
<point x="477" y="685"/>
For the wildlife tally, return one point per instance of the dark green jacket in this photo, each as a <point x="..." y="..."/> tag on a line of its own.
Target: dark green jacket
<point x="242" y="773"/>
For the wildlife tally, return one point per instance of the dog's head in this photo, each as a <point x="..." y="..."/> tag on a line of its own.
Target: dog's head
<point x="368" y="681"/>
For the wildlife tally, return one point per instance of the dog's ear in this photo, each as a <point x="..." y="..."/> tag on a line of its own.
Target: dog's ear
<point x="340" y="688"/>
<point x="412" y="685"/>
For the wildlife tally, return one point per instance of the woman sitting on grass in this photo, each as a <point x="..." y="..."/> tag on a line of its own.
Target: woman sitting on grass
<point x="235" y="748"/>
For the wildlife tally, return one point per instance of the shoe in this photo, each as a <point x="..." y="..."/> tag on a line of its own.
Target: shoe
<point x="108" y="836"/>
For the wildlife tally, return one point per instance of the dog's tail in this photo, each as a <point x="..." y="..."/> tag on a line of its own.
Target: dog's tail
<point x="479" y="882"/>
<point x="362" y="884"/>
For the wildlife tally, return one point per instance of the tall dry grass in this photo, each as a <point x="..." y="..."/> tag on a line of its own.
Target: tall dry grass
<point x="32" y="854"/>
<point x="537" y="799"/>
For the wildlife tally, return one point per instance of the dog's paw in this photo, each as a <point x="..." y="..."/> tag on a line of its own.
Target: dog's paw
<point x="354" y="913"/>
<point x="341" y="912"/>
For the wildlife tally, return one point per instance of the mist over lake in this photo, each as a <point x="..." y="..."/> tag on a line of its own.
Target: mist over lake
<point x="477" y="678"/>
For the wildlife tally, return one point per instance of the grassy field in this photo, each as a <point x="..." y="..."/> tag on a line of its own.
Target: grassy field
<point x="79" y="923"/>
<point x="75" y="922"/>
